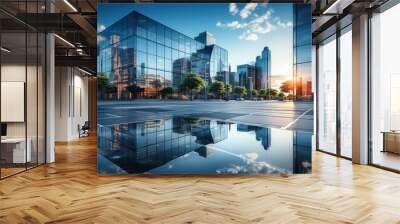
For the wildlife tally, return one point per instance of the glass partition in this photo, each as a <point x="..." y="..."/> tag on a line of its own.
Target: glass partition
<point x="22" y="77"/>
<point x="13" y="117"/>
<point x="327" y="95"/>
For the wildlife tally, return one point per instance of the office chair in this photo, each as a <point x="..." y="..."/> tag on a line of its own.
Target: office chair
<point x="84" y="130"/>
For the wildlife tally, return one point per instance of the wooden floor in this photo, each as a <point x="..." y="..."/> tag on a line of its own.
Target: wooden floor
<point x="70" y="191"/>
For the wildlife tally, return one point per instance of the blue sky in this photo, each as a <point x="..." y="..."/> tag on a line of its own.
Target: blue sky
<point x="243" y="29"/>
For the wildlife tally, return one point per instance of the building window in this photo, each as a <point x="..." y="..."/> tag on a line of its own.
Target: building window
<point x="160" y="50"/>
<point x="141" y="44"/>
<point x="152" y="61"/>
<point x="385" y="89"/>
<point x="327" y="95"/>
<point x="151" y="47"/>
<point x="346" y="93"/>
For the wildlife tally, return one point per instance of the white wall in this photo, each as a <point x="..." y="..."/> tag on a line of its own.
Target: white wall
<point x="71" y="102"/>
<point x="14" y="72"/>
<point x="17" y="73"/>
<point x="33" y="126"/>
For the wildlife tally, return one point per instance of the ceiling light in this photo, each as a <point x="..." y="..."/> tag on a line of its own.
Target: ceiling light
<point x="5" y="49"/>
<point x="64" y="40"/>
<point x="79" y="51"/>
<point x="337" y="7"/>
<point x="86" y="72"/>
<point x="70" y="5"/>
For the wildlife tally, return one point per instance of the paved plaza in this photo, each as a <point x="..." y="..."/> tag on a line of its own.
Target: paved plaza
<point x="276" y="114"/>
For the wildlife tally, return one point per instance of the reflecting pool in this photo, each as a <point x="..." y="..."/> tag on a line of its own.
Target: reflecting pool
<point x="191" y="145"/>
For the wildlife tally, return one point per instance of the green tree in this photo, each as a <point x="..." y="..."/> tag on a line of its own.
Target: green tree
<point x="134" y="90"/>
<point x="112" y="90"/>
<point x="157" y="84"/>
<point x="217" y="88"/>
<point x="240" y="91"/>
<point x="254" y="93"/>
<point x="262" y="93"/>
<point x="228" y="89"/>
<point x="281" y="96"/>
<point x="287" y="86"/>
<point x="271" y="93"/>
<point x="192" y="83"/>
<point x="167" y="91"/>
<point x="191" y="120"/>
<point x="103" y="84"/>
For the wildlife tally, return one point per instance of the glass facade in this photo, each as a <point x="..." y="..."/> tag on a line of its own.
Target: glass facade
<point x="371" y="67"/>
<point x="385" y="89"/>
<point x="302" y="51"/>
<point x="345" y="53"/>
<point x="141" y="57"/>
<point x="327" y="129"/>
<point x="263" y="70"/>
<point x="246" y="76"/>
<point x="334" y="96"/>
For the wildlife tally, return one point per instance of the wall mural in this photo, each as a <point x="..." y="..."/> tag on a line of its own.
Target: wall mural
<point x="195" y="88"/>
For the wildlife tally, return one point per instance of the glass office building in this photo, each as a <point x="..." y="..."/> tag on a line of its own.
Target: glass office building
<point x="141" y="57"/>
<point x="263" y="70"/>
<point x="246" y="75"/>
<point x="302" y="51"/>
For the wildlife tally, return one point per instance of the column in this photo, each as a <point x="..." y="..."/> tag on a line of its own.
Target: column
<point x="360" y="89"/>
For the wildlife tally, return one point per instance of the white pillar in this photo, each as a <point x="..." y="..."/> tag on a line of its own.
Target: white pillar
<point x="314" y="90"/>
<point x="360" y="89"/>
<point x="50" y="99"/>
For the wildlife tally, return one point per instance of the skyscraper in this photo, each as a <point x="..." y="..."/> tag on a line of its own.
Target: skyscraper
<point x="246" y="76"/>
<point x="233" y="79"/>
<point x="263" y="70"/>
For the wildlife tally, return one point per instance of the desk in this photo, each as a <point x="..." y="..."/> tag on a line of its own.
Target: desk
<point x="16" y="147"/>
<point x="391" y="141"/>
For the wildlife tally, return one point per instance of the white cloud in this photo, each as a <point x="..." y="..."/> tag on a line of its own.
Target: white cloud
<point x="260" y="19"/>
<point x="233" y="8"/>
<point x="252" y="157"/>
<point x="261" y="24"/>
<point x="256" y="24"/>
<point x="248" y="35"/>
<point x="283" y="24"/>
<point x="232" y="25"/>
<point x="261" y="28"/>
<point x="100" y="38"/>
<point x="235" y="25"/>
<point x="247" y="10"/>
<point x="100" y="28"/>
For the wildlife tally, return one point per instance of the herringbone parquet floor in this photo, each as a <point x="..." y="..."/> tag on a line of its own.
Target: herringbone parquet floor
<point x="70" y="191"/>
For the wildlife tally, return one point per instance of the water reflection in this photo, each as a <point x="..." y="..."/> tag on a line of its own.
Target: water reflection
<point x="190" y="145"/>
